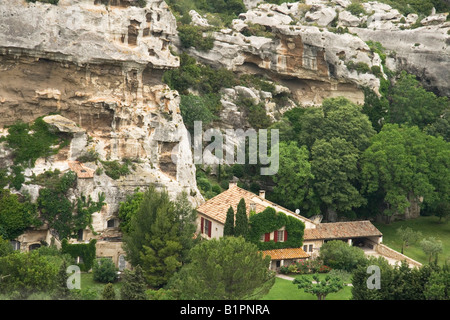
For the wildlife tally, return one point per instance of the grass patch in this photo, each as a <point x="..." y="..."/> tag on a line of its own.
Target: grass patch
<point x="286" y="290"/>
<point x="429" y="226"/>
<point x="88" y="284"/>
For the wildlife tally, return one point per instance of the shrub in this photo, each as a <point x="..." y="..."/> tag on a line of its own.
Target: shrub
<point x="108" y="292"/>
<point x="339" y="255"/>
<point x="356" y="8"/>
<point x="204" y="184"/>
<point x="104" y="271"/>
<point x="114" y="169"/>
<point x="192" y="36"/>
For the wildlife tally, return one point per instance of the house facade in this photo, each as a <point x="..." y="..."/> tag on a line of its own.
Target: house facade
<point x="211" y="217"/>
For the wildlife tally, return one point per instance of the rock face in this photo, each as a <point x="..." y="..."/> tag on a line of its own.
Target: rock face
<point x="99" y="67"/>
<point x="421" y="51"/>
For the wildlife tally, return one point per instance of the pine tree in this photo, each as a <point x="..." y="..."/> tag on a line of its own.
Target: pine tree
<point x="62" y="291"/>
<point x="241" y="226"/>
<point x="133" y="287"/>
<point x="228" y="229"/>
<point x="160" y="236"/>
<point x="108" y="292"/>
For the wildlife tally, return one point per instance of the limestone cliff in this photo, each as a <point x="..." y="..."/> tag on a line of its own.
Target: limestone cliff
<point x="99" y="67"/>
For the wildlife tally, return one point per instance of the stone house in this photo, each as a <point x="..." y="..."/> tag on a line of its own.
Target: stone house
<point x="211" y="217"/>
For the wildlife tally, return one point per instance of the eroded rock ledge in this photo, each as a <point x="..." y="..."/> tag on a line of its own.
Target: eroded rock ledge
<point x="99" y="67"/>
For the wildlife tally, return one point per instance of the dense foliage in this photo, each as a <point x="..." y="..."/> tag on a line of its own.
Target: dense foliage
<point x="85" y="251"/>
<point x="270" y="220"/>
<point x="226" y="269"/>
<point x="159" y="234"/>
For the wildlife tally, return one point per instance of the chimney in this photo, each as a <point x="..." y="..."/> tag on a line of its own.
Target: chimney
<point x="262" y="193"/>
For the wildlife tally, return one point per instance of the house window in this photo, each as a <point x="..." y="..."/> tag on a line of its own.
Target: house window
<point x="80" y="235"/>
<point x="111" y="223"/>
<point x="206" y="226"/>
<point x="310" y="248"/>
<point x="15" y="244"/>
<point x="34" y="246"/>
<point x="305" y="248"/>
<point x="263" y="237"/>
<point x="280" y="236"/>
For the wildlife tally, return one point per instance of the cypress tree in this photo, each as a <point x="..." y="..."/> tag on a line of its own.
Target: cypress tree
<point x="241" y="226"/>
<point x="228" y="229"/>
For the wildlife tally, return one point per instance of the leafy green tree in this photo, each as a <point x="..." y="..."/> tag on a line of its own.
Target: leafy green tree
<point x="337" y="118"/>
<point x="108" y="292"/>
<point x="432" y="247"/>
<point x="319" y="288"/>
<point x="27" y="273"/>
<point x="104" y="271"/>
<point x="133" y="285"/>
<point x="228" y="229"/>
<point x="241" y="224"/>
<point x="334" y="165"/>
<point x="16" y="215"/>
<point x="438" y="286"/>
<point x="338" y="254"/>
<point x="198" y="108"/>
<point x="5" y="247"/>
<point x="408" y="236"/>
<point x="405" y="164"/>
<point x="398" y="282"/>
<point x="128" y="208"/>
<point x="411" y="104"/>
<point x="442" y="211"/>
<point x="225" y="269"/>
<point x="294" y="178"/>
<point x="360" y="276"/>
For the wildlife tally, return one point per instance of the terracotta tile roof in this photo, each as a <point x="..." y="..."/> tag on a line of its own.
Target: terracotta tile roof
<point x="340" y="230"/>
<point x="81" y="171"/>
<point x="216" y="208"/>
<point x="288" y="253"/>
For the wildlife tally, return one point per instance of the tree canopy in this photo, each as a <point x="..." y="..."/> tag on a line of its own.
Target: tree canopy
<point x="226" y="269"/>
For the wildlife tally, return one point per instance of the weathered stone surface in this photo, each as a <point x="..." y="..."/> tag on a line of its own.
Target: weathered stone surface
<point x="82" y="32"/>
<point x="321" y="16"/>
<point x="61" y="124"/>
<point x="197" y="19"/>
<point x="429" y="60"/>
<point x="99" y="68"/>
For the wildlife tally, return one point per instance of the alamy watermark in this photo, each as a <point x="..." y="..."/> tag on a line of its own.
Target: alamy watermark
<point x="74" y="280"/>
<point x="230" y="147"/>
<point x="374" y="281"/>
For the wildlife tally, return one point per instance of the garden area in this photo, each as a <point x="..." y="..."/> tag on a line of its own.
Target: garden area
<point x="428" y="226"/>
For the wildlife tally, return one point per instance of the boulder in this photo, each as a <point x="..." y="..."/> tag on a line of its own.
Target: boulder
<point x="346" y="19"/>
<point x="322" y="16"/>
<point x="198" y="20"/>
<point x="434" y="19"/>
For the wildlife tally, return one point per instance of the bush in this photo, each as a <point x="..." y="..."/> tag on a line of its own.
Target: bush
<point x="192" y="36"/>
<point x="339" y="255"/>
<point x="114" y="169"/>
<point x="356" y="8"/>
<point x="108" y="292"/>
<point x="104" y="271"/>
<point x="199" y="77"/>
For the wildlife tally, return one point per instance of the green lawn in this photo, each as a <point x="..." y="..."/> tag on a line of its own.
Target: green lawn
<point x="286" y="290"/>
<point x="429" y="227"/>
<point x="88" y="283"/>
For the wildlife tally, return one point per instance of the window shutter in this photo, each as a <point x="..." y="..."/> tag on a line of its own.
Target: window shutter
<point x="202" y="224"/>
<point x="267" y="237"/>
<point x="285" y="235"/>
<point x="275" y="235"/>
<point x="210" y="227"/>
